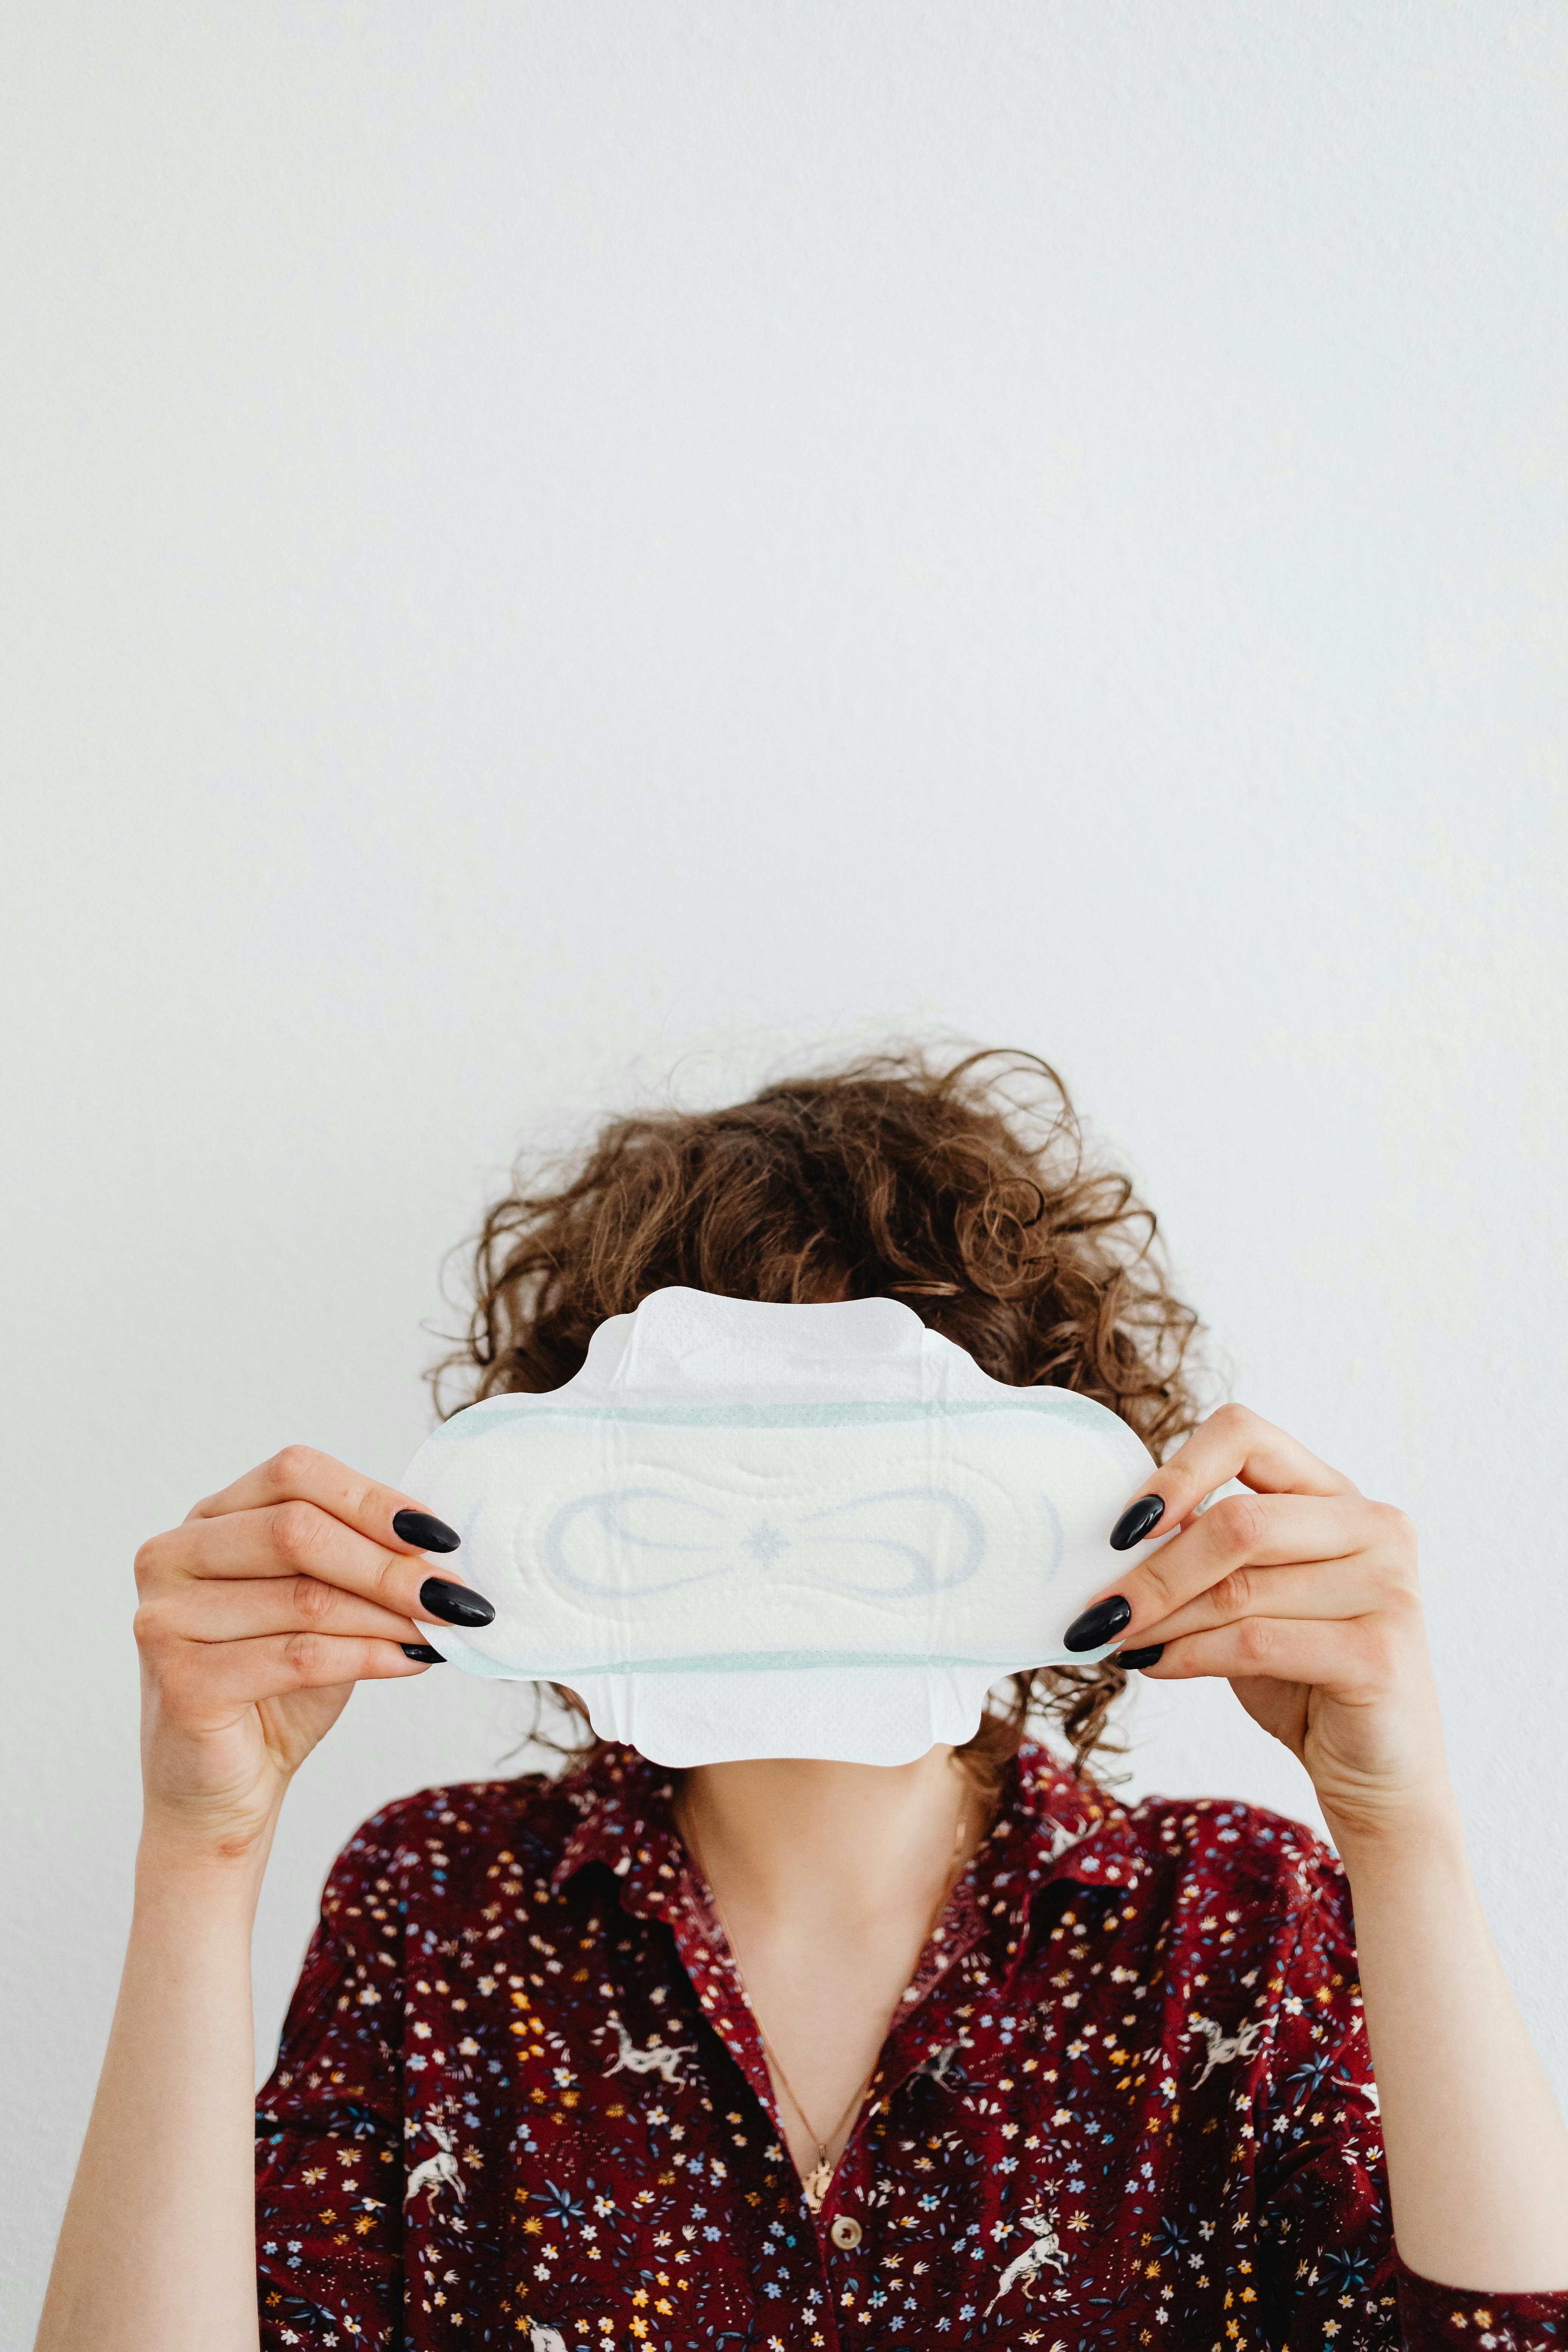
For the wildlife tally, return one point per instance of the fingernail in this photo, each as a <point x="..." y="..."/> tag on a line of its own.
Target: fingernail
<point x="1147" y="1657"/>
<point x="422" y="1653"/>
<point x="424" y="1531"/>
<point x="1136" y="1521"/>
<point x="1100" y="1623"/>
<point x="460" y="1605"/>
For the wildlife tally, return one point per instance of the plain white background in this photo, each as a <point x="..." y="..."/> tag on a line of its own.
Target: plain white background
<point x="557" y="554"/>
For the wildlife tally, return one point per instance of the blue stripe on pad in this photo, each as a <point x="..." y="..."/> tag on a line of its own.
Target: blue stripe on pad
<point x="1060" y="1404"/>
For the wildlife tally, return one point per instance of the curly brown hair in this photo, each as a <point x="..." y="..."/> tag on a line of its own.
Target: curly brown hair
<point x="963" y="1190"/>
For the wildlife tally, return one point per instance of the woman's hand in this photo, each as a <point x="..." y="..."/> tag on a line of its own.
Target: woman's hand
<point x="1305" y="1596"/>
<point x="258" y="1616"/>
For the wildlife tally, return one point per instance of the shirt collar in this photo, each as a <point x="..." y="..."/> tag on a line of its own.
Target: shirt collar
<point x="624" y="1820"/>
<point x="1048" y="1826"/>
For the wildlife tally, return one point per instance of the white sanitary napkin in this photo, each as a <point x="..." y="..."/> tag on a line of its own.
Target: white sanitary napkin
<point x="747" y="1530"/>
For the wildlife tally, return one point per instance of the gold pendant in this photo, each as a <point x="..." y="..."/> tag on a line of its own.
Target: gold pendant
<point x="816" y="2186"/>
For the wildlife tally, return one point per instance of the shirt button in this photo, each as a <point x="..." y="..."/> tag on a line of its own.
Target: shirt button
<point x="845" y="2232"/>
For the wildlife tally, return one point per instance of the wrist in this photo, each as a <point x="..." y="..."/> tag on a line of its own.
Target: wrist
<point x="1393" y="1842"/>
<point x="217" y="1857"/>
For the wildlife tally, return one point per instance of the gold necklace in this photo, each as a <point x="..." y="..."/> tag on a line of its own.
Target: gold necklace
<point x="816" y="2184"/>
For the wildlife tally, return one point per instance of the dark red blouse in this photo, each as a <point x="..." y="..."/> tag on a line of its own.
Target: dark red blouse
<point x="1125" y="2101"/>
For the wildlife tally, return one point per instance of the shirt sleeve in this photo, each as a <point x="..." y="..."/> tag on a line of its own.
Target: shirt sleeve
<point x="329" y="2173"/>
<point x="1329" y="2270"/>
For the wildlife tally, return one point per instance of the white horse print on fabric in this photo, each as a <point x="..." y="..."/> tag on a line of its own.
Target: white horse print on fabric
<point x="937" y="2068"/>
<point x="440" y="2171"/>
<point x="1045" y="2253"/>
<point x="1224" y="2047"/>
<point x="1368" y="2091"/>
<point x="546" y="2339"/>
<point x="660" y="2058"/>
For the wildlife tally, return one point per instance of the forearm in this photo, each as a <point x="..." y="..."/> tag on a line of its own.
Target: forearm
<point x="157" y="2252"/>
<point x="1478" y="2154"/>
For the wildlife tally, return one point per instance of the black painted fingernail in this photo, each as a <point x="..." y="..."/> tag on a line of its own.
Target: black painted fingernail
<point x="1145" y="1657"/>
<point x="1100" y="1623"/>
<point x="460" y="1605"/>
<point x="422" y="1653"/>
<point x="1136" y="1521"/>
<point x="427" y="1532"/>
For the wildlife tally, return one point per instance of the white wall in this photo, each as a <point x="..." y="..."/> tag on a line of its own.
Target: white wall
<point x="550" y="544"/>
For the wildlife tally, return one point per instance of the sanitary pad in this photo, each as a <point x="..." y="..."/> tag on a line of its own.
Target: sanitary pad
<point x="747" y="1530"/>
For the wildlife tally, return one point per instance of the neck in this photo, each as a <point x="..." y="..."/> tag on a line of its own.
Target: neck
<point x="828" y="1878"/>
<point x="839" y="1842"/>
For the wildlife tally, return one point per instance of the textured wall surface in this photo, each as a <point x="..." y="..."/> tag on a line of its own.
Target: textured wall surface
<point x="556" y="552"/>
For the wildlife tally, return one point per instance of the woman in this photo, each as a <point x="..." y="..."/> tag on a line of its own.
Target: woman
<point x="801" y="2054"/>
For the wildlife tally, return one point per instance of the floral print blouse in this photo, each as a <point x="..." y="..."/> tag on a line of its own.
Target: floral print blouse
<point x="521" y="2100"/>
